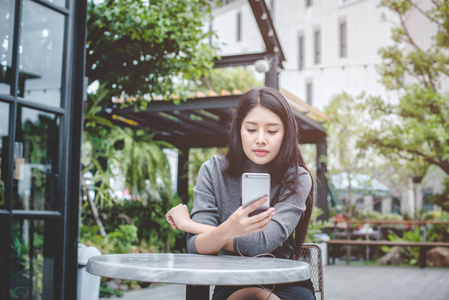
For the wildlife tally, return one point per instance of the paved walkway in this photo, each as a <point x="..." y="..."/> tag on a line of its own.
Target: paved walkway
<point x="343" y="282"/>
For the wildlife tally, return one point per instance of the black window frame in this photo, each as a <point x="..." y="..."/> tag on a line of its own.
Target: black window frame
<point x="66" y="210"/>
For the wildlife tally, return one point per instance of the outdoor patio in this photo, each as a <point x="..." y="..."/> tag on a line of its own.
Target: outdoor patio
<point x="342" y="282"/>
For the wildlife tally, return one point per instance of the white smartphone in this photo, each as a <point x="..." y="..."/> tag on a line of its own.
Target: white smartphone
<point x="255" y="186"/>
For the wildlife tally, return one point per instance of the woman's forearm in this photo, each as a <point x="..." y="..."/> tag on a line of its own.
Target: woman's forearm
<point x="212" y="241"/>
<point x="196" y="228"/>
<point x="178" y="217"/>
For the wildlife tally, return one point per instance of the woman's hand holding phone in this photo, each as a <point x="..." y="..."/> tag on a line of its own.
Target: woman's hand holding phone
<point x="237" y="225"/>
<point x="240" y="223"/>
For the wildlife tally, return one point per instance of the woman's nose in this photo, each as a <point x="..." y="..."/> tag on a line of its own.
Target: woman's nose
<point x="261" y="138"/>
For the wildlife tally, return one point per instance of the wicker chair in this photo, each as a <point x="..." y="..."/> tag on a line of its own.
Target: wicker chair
<point x="311" y="254"/>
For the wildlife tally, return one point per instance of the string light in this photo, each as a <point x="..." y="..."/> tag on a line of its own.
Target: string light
<point x="323" y="68"/>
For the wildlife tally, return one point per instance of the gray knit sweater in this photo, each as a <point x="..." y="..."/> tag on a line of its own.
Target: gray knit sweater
<point x="218" y="195"/>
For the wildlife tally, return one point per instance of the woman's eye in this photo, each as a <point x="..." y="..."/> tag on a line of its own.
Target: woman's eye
<point x="251" y="130"/>
<point x="272" y="131"/>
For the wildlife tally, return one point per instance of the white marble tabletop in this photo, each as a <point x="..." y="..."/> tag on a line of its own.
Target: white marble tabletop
<point x="197" y="269"/>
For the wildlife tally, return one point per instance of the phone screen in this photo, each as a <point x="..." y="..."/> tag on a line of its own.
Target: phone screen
<point x="255" y="186"/>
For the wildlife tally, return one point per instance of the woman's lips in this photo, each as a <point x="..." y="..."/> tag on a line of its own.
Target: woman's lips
<point x="260" y="152"/>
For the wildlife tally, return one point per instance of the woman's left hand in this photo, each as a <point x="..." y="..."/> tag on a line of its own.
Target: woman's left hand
<point x="178" y="217"/>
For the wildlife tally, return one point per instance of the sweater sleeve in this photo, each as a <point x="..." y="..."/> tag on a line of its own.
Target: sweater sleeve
<point x="205" y="208"/>
<point x="288" y="210"/>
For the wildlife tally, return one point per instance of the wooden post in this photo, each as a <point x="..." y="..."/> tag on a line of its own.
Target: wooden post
<point x="322" y="188"/>
<point x="183" y="178"/>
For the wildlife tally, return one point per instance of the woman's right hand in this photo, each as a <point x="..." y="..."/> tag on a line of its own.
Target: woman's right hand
<point x="240" y="223"/>
<point x="178" y="217"/>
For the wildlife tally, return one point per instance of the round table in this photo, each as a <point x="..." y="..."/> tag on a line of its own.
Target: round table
<point x="198" y="269"/>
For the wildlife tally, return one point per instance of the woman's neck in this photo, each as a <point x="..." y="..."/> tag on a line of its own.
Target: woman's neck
<point x="251" y="167"/>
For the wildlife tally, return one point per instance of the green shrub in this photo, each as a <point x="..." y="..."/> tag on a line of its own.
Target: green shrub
<point x="106" y="292"/>
<point x="316" y="226"/>
<point x="122" y="238"/>
<point x="439" y="232"/>
<point x="410" y="254"/>
<point x="136" y="224"/>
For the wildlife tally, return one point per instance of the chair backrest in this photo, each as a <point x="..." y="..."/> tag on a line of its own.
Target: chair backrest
<point x="311" y="254"/>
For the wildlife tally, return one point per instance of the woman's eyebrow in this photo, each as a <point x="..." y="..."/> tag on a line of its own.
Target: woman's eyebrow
<point x="257" y="123"/>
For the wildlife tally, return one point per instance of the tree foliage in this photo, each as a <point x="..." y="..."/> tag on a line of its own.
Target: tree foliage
<point x="348" y="124"/>
<point x="107" y="148"/>
<point x="416" y="127"/>
<point x="344" y="157"/>
<point x="240" y="78"/>
<point x="142" y="47"/>
<point x="442" y="199"/>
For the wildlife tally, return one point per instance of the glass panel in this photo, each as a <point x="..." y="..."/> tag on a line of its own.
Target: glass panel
<point x="34" y="244"/>
<point x="57" y="2"/>
<point x="6" y="39"/>
<point x="36" y="159"/>
<point x="41" y="49"/>
<point x="4" y="133"/>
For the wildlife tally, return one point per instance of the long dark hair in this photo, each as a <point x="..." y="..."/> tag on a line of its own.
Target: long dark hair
<point x="289" y="154"/>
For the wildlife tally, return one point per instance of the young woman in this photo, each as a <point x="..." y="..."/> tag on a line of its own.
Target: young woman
<point x="263" y="137"/>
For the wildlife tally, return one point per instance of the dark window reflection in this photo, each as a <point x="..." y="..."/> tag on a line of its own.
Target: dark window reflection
<point x="36" y="158"/>
<point x="6" y="40"/>
<point x="41" y="51"/>
<point x="4" y="133"/>
<point x="33" y="259"/>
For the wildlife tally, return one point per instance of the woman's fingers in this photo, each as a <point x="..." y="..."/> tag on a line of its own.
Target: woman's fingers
<point x="240" y="224"/>
<point x="262" y="216"/>
<point x="255" y="205"/>
<point x="170" y="221"/>
<point x="178" y="217"/>
<point x="178" y="210"/>
<point x="258" y="222"/>
<point x="263" y="220"/>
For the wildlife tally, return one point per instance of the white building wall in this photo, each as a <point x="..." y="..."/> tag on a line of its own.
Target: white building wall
<point x="225" y="26"/>
<point x="353" y="74"/>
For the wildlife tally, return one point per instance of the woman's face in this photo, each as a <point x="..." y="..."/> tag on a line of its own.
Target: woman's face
<point x="262" y="132"/>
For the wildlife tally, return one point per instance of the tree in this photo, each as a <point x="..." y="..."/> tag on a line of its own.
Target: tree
<point x="344" y="157"/>
<point x="442" y="199"/>
<point x="347" y="126"/>
<point x="240" y="78"/>
<point x="107" y="148"/>
<point x="111" y="152"/>
<point x="416" y="127"/>
<point x="144" y="47"/>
